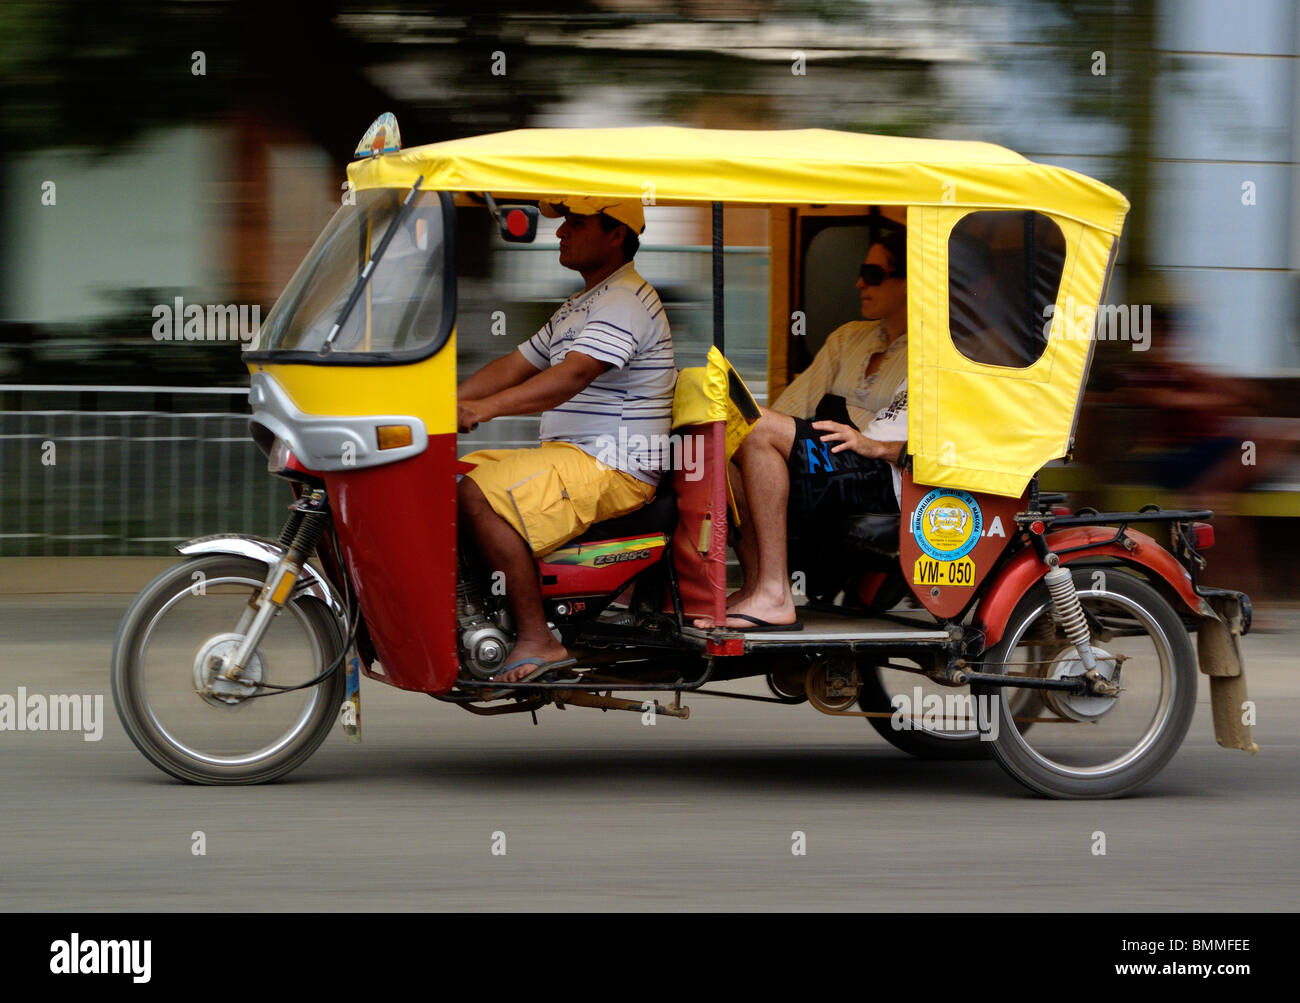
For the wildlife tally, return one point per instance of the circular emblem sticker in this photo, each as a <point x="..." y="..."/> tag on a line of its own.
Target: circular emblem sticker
<point x="947" y="524"/>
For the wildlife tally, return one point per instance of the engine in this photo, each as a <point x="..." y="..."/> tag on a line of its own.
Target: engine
<point x="483" y="644"/>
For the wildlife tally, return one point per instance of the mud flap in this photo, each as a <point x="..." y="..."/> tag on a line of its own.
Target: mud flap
<point x="1218" y="651"/>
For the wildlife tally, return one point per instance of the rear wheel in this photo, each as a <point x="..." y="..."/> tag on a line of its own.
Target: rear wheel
<point x="1089" y="746"/>
<point x="957" y="737"/>
<point x="161" y="665"/>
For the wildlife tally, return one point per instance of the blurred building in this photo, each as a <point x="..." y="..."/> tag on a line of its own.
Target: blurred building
<point x="1224" y="157"/>
<point x="183" y="210"/>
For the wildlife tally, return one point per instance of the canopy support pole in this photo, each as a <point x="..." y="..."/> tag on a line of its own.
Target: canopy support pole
<point x="717" y="553"/>
<point x="717" y="278"/>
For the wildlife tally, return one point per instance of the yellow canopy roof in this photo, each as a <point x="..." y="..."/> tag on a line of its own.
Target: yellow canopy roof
<point x="791" y="167"/>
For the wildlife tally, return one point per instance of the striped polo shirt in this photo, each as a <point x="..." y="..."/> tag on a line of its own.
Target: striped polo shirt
<point x="624" y="415"/>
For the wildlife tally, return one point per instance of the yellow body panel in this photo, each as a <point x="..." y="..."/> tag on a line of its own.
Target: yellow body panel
<point x="424" y="390"/>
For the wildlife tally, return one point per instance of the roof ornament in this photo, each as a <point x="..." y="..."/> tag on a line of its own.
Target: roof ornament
<point x="383" y="136"/>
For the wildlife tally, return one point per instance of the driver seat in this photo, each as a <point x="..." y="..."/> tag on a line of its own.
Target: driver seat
<point x="660" y="516"/>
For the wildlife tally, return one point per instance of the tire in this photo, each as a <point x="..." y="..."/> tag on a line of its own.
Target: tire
<point x="877" y="696"/>
<point x="156" y="715"/>
<point x="1055" y="765"/>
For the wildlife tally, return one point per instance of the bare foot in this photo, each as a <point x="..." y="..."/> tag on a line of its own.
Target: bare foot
<point x="533" y="656"/>
<point x="734" y="600"/>
<point x="762" y="607"/>
<point x="739" y="596"/>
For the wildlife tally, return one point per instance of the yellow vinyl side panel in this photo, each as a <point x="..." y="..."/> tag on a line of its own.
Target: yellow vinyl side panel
<point x="990" y="428"/>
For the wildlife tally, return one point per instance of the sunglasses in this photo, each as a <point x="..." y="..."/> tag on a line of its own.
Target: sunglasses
<point x="874" y="275"/>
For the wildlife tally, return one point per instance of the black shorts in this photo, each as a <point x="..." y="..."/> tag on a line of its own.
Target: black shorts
<point x="826" y="486"/>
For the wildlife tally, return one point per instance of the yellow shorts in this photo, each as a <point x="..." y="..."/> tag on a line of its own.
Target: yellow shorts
<point x="554" y="492"/>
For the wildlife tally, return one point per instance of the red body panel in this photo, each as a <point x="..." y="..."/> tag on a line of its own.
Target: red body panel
<point x="998" y="528"/>
<point x="397" y="527"/>
<point x="702" y="518"/>
<point x="1023" y="570"/>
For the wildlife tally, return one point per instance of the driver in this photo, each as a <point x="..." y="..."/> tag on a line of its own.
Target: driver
<point x="602" y="371"/>
<point x="830" y="444"/>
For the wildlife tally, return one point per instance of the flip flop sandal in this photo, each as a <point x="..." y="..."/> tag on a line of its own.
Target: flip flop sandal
<point x="542" y="669"/>
<point x="760" y="626"/>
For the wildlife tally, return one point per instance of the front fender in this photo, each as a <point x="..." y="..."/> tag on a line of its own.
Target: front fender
<point x="311" y="582"/>
<point x="1025" y="569"/>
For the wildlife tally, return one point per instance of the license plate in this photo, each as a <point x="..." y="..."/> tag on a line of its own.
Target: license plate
<point x="959" y="573"/>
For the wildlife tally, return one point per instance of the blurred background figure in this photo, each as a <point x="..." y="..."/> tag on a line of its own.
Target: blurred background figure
<point x="1184" y="425"/>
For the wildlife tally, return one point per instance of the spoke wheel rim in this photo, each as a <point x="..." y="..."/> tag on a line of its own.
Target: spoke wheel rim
<point x="1160" y="717"/>
<point x="265" y="752"/>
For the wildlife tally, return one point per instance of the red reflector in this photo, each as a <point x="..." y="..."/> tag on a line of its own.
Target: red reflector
<point x="1036" y="527"/>
<point x="1202" y="535"/>
<point x="517" y="222"/>
<point x="731" y="646"/>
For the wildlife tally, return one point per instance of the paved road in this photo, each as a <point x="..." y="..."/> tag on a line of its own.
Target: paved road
<point x="600" y="812"/>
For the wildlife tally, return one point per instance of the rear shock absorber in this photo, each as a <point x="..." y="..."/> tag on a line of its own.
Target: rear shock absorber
<point x="1068" y="611"/>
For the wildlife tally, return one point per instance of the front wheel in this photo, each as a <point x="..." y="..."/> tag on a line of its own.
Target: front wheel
<point x="164" y="646"/>
<point x="1092" y="746"/>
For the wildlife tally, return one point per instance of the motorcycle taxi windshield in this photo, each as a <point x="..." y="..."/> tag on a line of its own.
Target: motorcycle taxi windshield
<point x="403" y="307"/>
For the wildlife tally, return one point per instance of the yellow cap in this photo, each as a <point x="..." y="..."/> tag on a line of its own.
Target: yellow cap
<point x="626" y="211"/>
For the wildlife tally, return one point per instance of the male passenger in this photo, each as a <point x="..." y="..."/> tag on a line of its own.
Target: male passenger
<point x="603" y="362"/>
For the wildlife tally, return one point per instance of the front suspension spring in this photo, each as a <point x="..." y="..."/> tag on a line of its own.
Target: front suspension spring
<point x="290" y="530"/>
<point x="308" y="535"/>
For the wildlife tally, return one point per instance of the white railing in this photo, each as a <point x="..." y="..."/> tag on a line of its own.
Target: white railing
<point x="105" y="470"/>
<point x="109" y="473"/>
